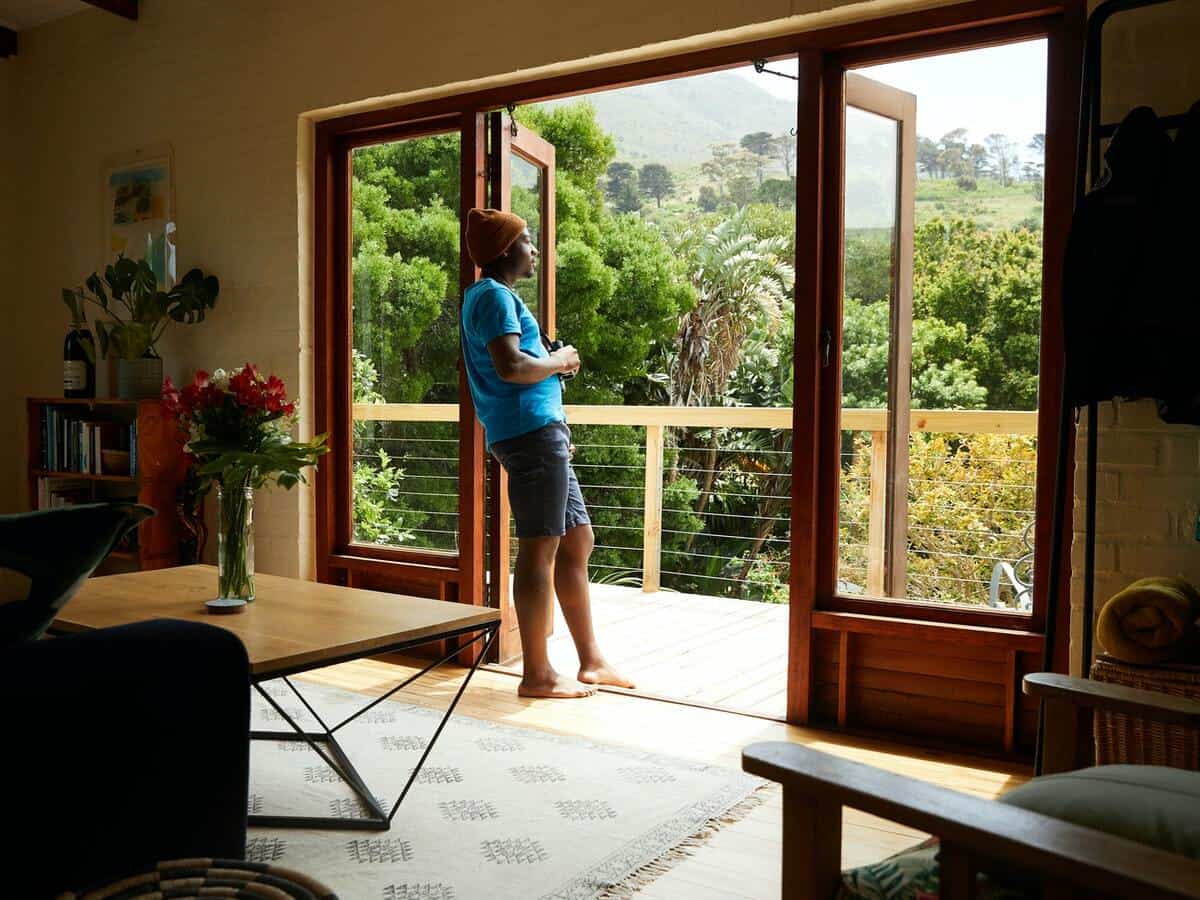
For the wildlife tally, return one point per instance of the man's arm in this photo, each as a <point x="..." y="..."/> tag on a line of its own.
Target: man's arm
<point x="520" y="368"/>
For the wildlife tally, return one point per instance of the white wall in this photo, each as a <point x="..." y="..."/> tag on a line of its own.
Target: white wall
<point x="226" y="82"/>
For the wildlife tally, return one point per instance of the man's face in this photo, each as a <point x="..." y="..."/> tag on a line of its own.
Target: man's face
<point x="524" y="255"/>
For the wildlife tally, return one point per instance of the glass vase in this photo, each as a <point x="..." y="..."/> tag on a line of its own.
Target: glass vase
<point x="235" y="542"/>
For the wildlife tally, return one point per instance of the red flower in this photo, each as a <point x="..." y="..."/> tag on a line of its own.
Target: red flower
<point x="170" y="397"/>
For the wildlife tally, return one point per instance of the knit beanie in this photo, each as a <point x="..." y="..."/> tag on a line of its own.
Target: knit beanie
<point x="490" y="232"/>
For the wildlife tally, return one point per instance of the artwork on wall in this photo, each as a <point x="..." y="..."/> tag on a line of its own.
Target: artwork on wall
<point x="139" y="210"/>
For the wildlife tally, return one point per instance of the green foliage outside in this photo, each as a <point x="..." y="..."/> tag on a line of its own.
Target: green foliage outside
<point x="676" y="287"/>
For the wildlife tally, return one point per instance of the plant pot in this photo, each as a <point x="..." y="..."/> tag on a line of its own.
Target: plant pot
<point x="139" y="379"/>
<point x="235" y="542"/>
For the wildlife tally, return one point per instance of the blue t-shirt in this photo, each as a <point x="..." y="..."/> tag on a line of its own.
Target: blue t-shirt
<point x="491" y="309"/>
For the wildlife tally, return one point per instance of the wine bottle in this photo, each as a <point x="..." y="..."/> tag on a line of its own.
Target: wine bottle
<point x="79" y="367"/>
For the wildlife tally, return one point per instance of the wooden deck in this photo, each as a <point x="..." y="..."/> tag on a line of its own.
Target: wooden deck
<point x="743" y="859"/>
<point x="712" y="650"/>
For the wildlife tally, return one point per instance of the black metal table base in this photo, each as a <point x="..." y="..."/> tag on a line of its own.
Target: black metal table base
<point x="325" y="744"/>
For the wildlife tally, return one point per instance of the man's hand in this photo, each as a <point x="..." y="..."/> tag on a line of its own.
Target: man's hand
<point x="513" y="365"/>
<point x="567" y="357"/>
<point x="570" y="451"/>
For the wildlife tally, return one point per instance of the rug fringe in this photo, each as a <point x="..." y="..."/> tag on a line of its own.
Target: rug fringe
<point x="645" y="874"/>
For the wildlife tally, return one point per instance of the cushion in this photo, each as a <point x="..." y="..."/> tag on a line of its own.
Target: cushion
<point x="910" y="875"/>
<point x="1155" y="805"/>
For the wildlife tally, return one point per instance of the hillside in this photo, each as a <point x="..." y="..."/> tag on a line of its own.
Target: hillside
<point x="675" y="122"/>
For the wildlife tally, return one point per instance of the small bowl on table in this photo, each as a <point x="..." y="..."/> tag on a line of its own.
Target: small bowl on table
<point x="114" y="462"/>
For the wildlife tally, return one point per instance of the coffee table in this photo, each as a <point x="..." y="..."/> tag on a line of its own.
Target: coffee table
<point x="296" y="626"/>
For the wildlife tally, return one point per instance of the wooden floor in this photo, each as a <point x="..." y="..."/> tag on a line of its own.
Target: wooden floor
<point x="713" y="650"/>
<point x="742" y="860"/>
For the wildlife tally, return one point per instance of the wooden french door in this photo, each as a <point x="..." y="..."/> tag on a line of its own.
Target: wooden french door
<point x="881" y="125"/>
<point x="521" y="180"/>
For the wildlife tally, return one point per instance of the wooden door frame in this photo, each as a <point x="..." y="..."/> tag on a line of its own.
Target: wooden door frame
<point x="822" y="53"/>
<point x="1060" y="105"/>
<point x="814" y="599"/>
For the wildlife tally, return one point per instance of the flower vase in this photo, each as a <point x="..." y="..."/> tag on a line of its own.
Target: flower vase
<point x="235" y="542"/>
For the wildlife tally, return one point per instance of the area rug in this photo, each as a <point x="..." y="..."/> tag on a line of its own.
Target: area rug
<point x="497" y="812"/>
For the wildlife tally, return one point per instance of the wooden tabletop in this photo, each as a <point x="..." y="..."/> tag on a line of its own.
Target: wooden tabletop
<point x="292" y="625"/>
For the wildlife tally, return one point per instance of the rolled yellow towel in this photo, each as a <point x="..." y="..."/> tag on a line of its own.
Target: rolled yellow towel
<point x="1151" y="621"/>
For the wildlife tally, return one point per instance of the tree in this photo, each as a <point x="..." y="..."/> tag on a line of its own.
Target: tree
<point x="778" y="192"/>
<point x="741" y="190"/>
<point x="707" y="200"/>
<point x="656" y="181"/>
<point x="760" y="145"/>
<point x="977" y="159"/>
<point x="727" y="162"/>
<point x="1035" y="169"/>
<point x="621" y="178"/>
<point x="628" y="200"/>
<point x="738" y="279"/>
<point x="1003" y="154"/>
<point x="929" y="157"/>
<point x="785" y="148"/>
<point x="952" y="153"/>
<point x="990" y="284"/>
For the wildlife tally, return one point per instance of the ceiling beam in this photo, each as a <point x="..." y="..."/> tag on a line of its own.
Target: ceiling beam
<point x="126" y="8"/>
<point x="8" y="42"/>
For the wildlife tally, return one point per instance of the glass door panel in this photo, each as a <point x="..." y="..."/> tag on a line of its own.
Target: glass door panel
<point x="404" y="312"/>
<point x="876" y="338"/>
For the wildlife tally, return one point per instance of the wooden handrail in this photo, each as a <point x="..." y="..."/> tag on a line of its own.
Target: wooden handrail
<point x="1117" y="698"/>
<point x="952" y="421"/>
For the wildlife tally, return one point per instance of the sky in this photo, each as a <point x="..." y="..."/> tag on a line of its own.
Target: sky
<point x="996" y="89"/>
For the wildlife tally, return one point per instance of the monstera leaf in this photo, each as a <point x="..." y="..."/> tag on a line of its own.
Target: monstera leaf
<point x="192" y="297"/>
<point x="139" y="312"/>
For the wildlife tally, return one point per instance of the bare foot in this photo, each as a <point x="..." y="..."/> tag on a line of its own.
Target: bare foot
<point x="603" y="674"/>
<point x="554" y="686"/>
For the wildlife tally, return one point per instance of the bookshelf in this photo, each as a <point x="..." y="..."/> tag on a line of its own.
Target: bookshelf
<point x="89" y="450"/>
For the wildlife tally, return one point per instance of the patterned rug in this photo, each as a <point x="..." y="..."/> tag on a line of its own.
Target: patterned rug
<point x="497" y="812"/>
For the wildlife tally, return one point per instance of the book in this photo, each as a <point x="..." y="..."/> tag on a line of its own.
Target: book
<point x="56" y="492"/>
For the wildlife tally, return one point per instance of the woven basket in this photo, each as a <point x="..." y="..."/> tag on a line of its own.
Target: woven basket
<point x="1121" y="738"/>
<point x="207" y="878"/>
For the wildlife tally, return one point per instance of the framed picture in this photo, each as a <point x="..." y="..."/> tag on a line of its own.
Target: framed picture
<point x="139" y="209"/>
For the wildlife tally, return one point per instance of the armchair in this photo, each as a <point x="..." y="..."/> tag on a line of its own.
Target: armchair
<point x="1065" y="860"/>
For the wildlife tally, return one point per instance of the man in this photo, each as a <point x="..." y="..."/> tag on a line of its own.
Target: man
<point x="516" y="383"/>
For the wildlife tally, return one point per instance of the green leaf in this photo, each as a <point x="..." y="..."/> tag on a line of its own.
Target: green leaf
<point x="71" y="299"/>
<point x="102" y="334"/>
<point x="194" y="294"/>
<point x="120" y="277"/>
<point x="96" y="286"/>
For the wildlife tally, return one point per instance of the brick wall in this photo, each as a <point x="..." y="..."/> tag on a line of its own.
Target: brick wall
<point x="1147" y="503"/>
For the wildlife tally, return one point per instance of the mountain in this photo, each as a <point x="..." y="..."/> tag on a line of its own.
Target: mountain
<point x="675" y="122"/>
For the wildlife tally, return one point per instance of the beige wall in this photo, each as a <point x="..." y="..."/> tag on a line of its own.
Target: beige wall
<point x="8" y="211"/>
<point x="227" y="83"/>
<point x="1148" y="482"/>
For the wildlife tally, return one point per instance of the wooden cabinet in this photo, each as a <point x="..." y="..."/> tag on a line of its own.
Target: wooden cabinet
<point x="150" y="474"/>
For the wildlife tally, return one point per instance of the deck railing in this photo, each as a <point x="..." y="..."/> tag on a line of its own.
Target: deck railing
<point x="657" y="419"/>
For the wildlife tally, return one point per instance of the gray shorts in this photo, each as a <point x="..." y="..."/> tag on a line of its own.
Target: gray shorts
<point x="542" y="488"/>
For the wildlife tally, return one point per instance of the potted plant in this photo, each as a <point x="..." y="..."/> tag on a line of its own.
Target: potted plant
<point x="139" y="313"/>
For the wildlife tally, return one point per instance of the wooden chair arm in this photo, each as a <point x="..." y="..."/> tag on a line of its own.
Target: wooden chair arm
<point x="1065" y="857"/>
<point x="1101" y="695"/>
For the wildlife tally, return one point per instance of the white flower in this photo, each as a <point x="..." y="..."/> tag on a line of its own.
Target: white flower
<point x="220" y="378"/>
